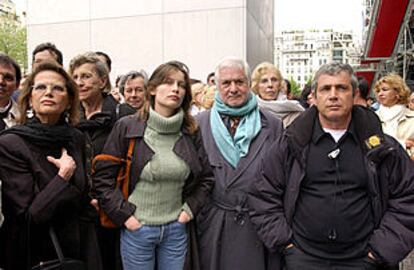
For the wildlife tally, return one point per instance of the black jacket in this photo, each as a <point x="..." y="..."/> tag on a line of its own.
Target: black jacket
<point x="390" y="184"/>
<point x="188" y="147"/>
<point x="34" y="193"/>
<point x="98" y="127"/>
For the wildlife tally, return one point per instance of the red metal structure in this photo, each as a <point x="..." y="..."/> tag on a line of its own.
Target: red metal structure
<point x="387" y="24"/>
<point x="386" y="27"/>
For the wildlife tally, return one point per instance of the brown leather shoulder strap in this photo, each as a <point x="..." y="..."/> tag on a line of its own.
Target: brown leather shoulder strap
<point x="114" y="158"/>
<point x="125" y="185"/>
<point x="131" y="148"/>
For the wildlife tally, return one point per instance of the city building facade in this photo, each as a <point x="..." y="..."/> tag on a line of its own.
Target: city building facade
<point x="7" y="7"/>
<point x="299" y="53"/>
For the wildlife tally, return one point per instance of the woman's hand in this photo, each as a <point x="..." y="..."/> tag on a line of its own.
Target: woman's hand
<point x="184" y="217"/>
<point x="371" y="256"/>
<point x="289" y="246"/>
<point x="95" y="204"/>
<point x="132" y="224"/>
<point x="65" y="164"/>
<point x="409" y="143"/>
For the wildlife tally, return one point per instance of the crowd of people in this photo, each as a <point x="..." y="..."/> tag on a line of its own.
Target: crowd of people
<point x="234" y="173"/>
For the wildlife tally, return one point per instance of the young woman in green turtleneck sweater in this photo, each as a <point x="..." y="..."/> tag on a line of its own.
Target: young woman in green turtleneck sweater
<point x="170" y="176"/>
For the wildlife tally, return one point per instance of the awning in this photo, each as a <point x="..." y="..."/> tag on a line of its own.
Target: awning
<point x="387" y="19"/>
<point x="369" y="75"/>
<point x="368" y="70"/>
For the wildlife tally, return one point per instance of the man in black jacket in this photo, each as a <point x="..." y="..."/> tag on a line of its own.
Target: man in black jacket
<point x="335" y="192"/>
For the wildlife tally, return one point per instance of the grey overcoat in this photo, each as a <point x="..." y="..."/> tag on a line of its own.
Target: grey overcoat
<point x="227" y="239"/>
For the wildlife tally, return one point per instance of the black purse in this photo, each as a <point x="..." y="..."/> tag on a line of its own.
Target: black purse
<point x="61" y="263"/>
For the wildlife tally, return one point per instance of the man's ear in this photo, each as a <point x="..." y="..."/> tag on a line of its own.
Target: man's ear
<point x="356" y="93"/>
<point x="313" y="93"/>
<point x="152" y="91"/>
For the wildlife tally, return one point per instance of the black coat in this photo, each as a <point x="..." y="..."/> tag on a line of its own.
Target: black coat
<point x="227" y="238"/>
<point x="97" y="129"/>
<point x="33" y="193"/>
<point x="99" y="126"/>
<point x="390" y="182"/>
<point x="188" y="147"/>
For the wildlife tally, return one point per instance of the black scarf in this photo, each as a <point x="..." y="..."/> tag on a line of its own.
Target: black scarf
<point x="97" y="121"/>
<point x="101" y="120"/>
<point x="44" y="135"/>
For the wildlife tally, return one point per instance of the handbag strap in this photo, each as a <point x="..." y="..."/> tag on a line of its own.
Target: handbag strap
<point x="28" y="227"/>
<point x="56" y="244"/>
<point x="130" y="148"/>
<point x="52" y="235"/>
<point x="124" y="173"/>
<point x="125" y="185"/>
<point x="114" y="158"/>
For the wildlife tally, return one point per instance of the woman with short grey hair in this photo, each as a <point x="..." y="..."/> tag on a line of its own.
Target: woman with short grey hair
<point x="99" y="112"/>
<point x="133" y="87"/>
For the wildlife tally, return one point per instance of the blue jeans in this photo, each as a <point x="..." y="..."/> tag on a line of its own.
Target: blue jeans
<point x="167" y="243"/>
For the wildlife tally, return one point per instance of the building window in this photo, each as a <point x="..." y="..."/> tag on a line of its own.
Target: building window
<point x="337" y="53"/>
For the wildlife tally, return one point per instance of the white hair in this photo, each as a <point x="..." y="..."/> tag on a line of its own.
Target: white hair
<point x="232" y="62"/>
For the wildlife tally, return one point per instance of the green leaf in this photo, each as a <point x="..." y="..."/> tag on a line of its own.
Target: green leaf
<point x="13" y="39"/>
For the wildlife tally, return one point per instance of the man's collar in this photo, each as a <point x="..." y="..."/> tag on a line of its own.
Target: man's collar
<point x="318" y="131"/>
<point x="299" y="133"/>
<point x="7" y="107"/>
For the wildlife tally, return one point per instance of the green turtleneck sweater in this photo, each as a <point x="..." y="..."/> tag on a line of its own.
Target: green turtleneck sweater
<point x="158" y="193"/>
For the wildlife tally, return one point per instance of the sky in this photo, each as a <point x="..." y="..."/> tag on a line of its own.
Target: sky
<point x="305" y="14"/>
<point x="20" y="5"/>
<point x="317" y="14"/>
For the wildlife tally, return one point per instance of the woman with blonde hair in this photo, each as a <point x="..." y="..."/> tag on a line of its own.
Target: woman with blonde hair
<point x="197" y="94"/>
<point x="397" y="120"/>
<point x="208" y="96"/>
<point x="267" y="84"/>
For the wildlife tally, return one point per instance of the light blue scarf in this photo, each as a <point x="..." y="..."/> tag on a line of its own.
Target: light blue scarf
<point x="235" y="148"/>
